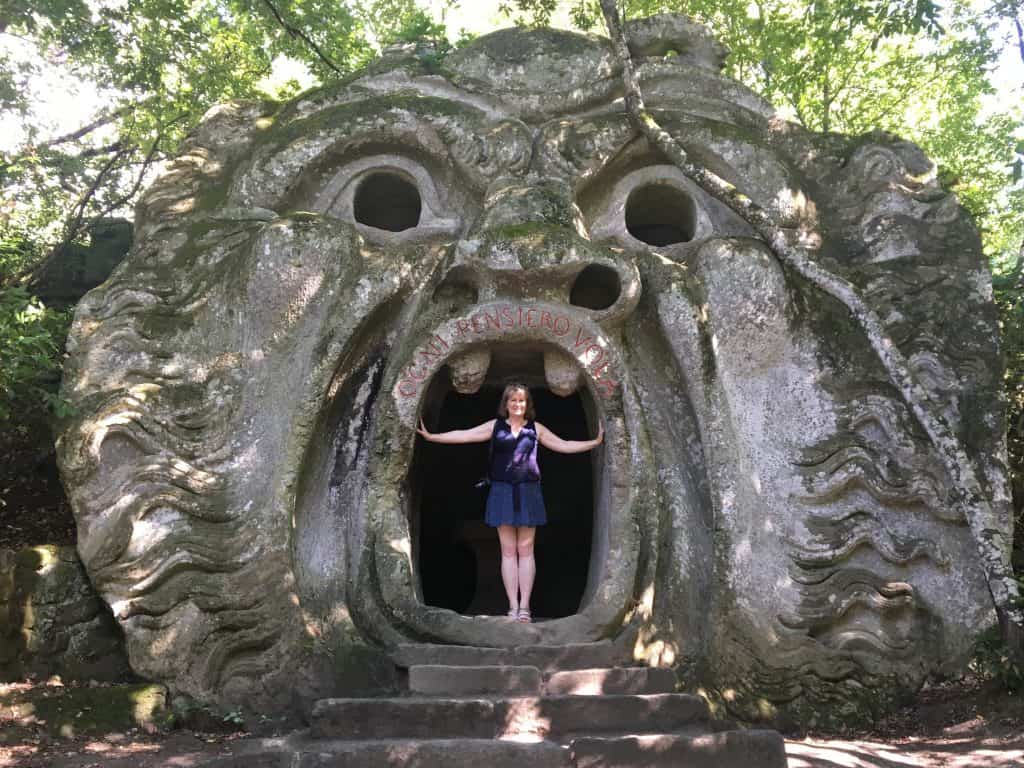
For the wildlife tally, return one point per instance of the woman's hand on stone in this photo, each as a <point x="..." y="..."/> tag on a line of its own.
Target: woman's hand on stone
<point x="600" y="434"/>
<point x="422" y="430"/>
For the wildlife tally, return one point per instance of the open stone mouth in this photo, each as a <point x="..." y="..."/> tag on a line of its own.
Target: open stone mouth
<point x="455" y="553"/>
<point x="399" y="532"/>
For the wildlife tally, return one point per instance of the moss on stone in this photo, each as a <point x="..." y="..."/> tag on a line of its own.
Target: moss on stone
<point x="95" y="711"/>
<point x="540" y="229"/>
<point x="511" y="46"/>
<point x="370" y="109"/>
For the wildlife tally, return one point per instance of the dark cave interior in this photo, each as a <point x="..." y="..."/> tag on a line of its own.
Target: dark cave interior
<point x="457" y="554"/>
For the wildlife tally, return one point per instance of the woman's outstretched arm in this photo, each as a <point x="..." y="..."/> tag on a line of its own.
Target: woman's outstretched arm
<point x="552" y="441"/>
<point x="478" y="434"/>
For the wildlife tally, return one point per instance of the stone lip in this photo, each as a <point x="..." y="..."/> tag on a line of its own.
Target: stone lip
<point x="495" y="324"/>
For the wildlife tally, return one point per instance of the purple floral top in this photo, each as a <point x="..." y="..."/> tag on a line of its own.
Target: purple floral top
<point x="514" y="458"/>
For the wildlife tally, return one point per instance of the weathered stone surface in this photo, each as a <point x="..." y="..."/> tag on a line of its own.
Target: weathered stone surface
<point x="408" y="718"/>
<point x="546" y="658"/>
<point x="438" y="680"/>
<point x="594" y="682"/>
<point x="437" y="754"/>
<point x="535" y="717"/>
<point x="411" y="654"/>
<point x="766" y="513"/>
<point x="731" y="749"/>
<point x="568" y="656"/>
<point x="52" y="622"/>
<point x="400" y="753"/>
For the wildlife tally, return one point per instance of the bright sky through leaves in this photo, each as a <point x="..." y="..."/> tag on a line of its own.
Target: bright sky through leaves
<point x="63" y="102"/>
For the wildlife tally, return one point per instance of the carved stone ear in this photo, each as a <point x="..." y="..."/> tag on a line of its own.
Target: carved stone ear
<point x="658" y="36"/>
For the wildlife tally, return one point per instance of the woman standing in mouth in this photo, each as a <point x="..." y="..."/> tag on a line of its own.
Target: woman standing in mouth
<point x="515" y="505"/>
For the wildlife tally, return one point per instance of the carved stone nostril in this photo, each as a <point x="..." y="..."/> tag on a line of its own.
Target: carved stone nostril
<point x="469" y="370"/>
<point x="596" y="287"/>
<point x="561" y="372"/>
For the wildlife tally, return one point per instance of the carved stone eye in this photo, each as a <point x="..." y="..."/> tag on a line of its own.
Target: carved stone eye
<point x="387" y="200"/>
<point x="391" y="198"/>
<point x="654" y="206"/>
<point x="660" y="215"/>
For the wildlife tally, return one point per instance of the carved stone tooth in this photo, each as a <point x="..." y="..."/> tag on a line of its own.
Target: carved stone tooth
<point x="469" y="370"/>
<point x="561" y="372"/>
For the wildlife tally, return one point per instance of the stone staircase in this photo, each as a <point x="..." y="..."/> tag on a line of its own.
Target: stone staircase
<point x="542" y="706"/>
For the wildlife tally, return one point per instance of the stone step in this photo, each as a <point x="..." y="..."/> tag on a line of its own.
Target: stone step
<point x="400" y="753"/>
<point x="535" y="717"/>
<point x="547" y="658"/>
<point x="619" y="680"/>
<point x="729" y="749"/>
<point x="425" y="654"/>
<point x="446" y="680"/>
<point x="556" y="658"/>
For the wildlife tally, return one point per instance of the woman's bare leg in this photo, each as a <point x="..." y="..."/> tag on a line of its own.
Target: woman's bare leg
<point x="527" y="565"/>
<point x="509" y="566"/>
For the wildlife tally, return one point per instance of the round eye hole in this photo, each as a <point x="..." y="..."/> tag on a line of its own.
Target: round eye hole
<point x="660" y="214"/>
<point x="596" y="287"/>
<point x="387" y="201"/>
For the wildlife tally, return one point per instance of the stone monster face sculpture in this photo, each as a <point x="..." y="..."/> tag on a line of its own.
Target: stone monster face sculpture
<point x="309" y="280"/>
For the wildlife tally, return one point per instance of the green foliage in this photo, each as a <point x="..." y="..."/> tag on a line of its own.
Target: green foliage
<point x="31" y="347"/>
<point x="235" y="717"/>
<point x="992" y="660"/>
<point x="418" y="25"/>
<point x="536" y="13"/>
<point x="1008" y="291"/>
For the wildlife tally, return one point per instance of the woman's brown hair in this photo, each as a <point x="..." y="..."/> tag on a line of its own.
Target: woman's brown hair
<point x="509" y="389"/>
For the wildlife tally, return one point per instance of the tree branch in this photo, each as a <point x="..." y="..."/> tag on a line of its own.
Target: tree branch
<point x="104" y="150"/>
<point x="73" y="227"/>
<point x="968" y="493"/>
<point x="1020" y="37"/>
<point x="298" y="33"/>
<point x="84" y="130"/>
<point x="126" y="197"/>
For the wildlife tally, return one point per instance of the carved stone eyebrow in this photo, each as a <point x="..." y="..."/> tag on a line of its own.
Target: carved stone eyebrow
<point x="479" y="147"/>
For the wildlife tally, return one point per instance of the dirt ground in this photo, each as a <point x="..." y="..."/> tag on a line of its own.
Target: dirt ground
<point x="961" y="724"/>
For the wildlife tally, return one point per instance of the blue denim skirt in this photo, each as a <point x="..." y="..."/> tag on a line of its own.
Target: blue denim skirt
<point x="515" y="504"/>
